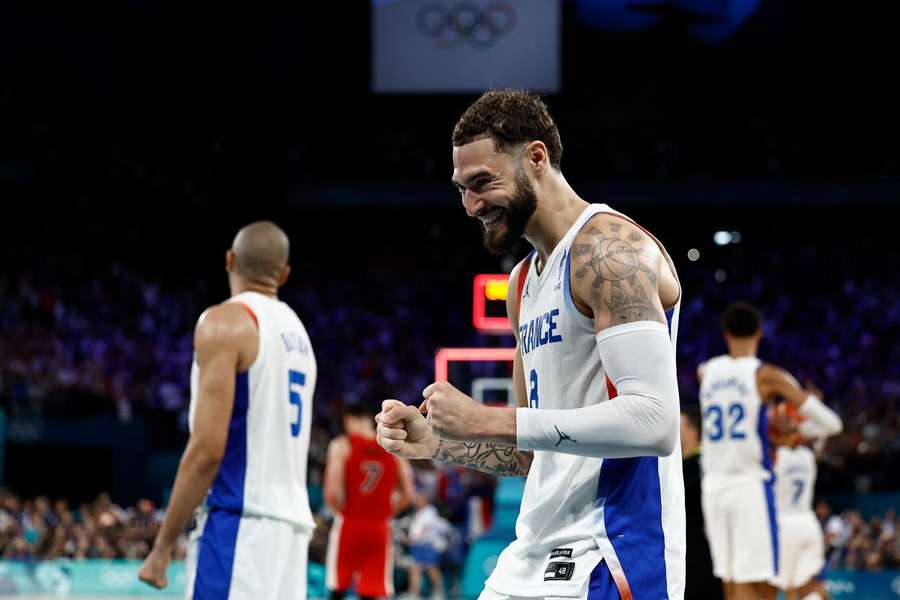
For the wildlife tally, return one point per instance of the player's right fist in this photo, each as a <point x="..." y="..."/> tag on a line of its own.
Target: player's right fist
<point x="403" y="431"/>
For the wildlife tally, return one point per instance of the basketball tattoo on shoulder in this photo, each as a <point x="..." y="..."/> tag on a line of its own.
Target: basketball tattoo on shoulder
<point x="624" y="274"/>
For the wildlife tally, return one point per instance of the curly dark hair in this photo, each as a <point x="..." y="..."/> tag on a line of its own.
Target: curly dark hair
<point x="741" y="319"/>
<point x="511" y="118"/>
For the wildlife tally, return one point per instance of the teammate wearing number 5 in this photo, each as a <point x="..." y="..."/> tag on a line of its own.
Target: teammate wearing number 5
<point x="252" y="386"/>
<point x="737" y="487"/>
<point x="364" y="487"/>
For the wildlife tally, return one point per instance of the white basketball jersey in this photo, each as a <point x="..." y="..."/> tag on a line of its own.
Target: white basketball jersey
<point x="735" y="424"/>
<point x="795" y="478"/>
<point x="264" y="470"/>
<point x="577" y="510"/>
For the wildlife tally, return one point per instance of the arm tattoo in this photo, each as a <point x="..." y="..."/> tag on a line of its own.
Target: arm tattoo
<point x="623" y="283"/>
<point x="487" y="457"/>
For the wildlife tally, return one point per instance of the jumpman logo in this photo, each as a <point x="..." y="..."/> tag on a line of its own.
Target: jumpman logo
<point x="562" y="272"/>
<point x="563" y="436"/>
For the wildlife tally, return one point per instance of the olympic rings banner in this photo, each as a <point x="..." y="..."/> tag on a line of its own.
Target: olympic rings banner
<point x="465" y="45"/>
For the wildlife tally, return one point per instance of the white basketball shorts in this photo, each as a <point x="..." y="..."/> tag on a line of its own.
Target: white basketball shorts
<point x="739" y="514"/>
<point x="802" y="547"/>
<point x="245" y="558"/>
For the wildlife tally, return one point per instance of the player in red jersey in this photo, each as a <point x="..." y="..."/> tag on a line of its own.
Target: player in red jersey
<point x="361" y="479"/>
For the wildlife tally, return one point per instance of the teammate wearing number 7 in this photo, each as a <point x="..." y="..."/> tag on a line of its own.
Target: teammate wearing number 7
<point x="364" y="488"/>
<point x="737" y="488"/>
<point x="252" y="385"/>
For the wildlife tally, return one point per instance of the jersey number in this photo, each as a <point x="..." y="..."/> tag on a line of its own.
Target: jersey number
<point x="533" y="400"/>
<point x="373" y="471"/>
<point x="799" y="484"/>
<point x="296" y="380"/>
<point x="716" y="429"/>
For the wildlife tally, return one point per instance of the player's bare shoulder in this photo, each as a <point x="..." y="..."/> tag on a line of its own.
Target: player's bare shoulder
<point x="338" y="448"/>
<point x="226" y="321"/>
<point x="619" y="274"/>
<point x="228" y="325"/>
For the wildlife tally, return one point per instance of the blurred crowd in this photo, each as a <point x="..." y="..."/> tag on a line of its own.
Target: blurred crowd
<point x="852" y="542"/>
<point x="38" y="528"/>
<point x="119" y="342"/>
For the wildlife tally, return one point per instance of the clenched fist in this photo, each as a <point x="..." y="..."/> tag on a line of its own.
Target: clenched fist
<point x="403" y="431"/>
<point x="452" y="414"/>
<point x="153" y="571"/>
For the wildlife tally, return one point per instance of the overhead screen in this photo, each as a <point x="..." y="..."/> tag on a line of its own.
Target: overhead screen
<point x="465" y="46"/>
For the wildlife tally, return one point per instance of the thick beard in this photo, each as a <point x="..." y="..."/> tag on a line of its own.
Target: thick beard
<point x="518" y="213"/>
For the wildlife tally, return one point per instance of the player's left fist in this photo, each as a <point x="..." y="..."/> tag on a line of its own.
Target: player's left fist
<point x="153" y="571"/>
<point x="452" y="414"/>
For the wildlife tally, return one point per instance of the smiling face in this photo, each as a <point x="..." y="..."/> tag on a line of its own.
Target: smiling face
<point x="494" y="189"/>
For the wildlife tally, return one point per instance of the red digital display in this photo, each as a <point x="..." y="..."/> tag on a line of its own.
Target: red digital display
<point x="489" y="290"/>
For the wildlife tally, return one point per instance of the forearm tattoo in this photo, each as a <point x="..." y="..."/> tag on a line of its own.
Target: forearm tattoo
<point x="487" y="457"/>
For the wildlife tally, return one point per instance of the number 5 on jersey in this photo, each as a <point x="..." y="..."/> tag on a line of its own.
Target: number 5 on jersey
<point x="296" y="380"/>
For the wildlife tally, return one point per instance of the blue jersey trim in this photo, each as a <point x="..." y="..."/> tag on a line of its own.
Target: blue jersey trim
<point x="216" y="559"/>
<point x="762" y="428"/>
<point x="227" y="490"/>
<point x="670" y="314"/>
<point x="629" y="491"/>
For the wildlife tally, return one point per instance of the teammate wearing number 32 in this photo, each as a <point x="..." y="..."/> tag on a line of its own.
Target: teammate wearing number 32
<point x="594" y="310"/>
<point x="252" y="388"/>
<point x="738" y="498"/>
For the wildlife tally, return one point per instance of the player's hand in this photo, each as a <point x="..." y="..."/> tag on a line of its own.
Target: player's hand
<point x="153" y="571"/>
<point x="452" y="414"/>
<point x="403" y="431"/>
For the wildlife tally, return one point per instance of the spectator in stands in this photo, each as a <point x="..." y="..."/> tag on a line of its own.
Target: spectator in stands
<point x="429" y="537"/>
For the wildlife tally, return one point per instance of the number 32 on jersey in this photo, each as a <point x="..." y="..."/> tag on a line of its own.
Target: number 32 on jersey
<point x="722" y="422"/>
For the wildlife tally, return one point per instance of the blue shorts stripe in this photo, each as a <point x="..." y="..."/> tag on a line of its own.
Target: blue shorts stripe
<point x="773" y="524"/>
<point x="602" y="586"/>
<point x="226" y="502"/>
<point x="763" y="431"/>
<point x="216" y="558"/>
<point x="629" y="492"/>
